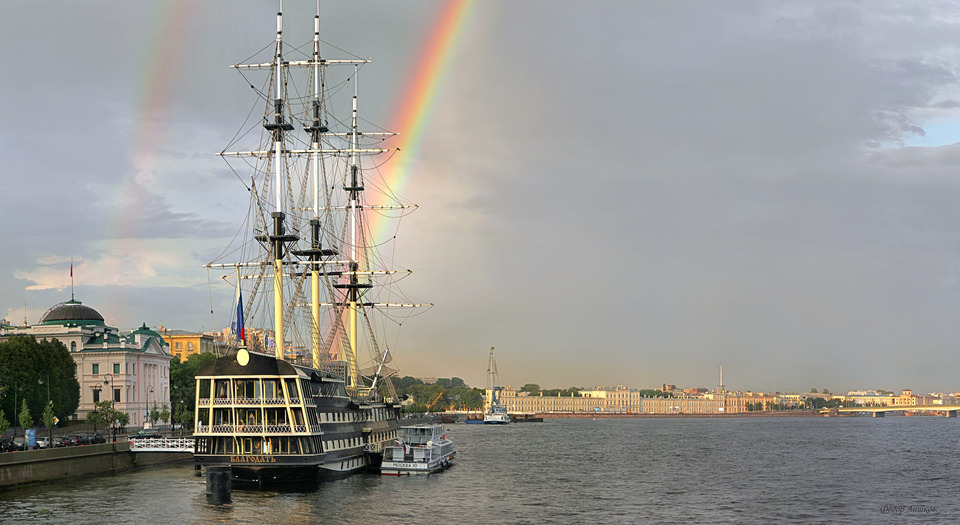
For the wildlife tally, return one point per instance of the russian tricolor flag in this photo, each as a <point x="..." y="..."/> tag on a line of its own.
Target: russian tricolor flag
<point x="238" y="327"/>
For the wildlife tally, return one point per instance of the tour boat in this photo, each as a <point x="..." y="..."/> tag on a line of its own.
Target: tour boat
<point x="421" y="449"/>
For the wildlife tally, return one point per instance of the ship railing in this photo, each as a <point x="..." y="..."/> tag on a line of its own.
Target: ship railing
<point x="246" y="401"/>
<point x="278" y="429"/>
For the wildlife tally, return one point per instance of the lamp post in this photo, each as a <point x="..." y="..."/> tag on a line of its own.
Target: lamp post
<point x="96" y="388"/>
<point x="107" y="378"/>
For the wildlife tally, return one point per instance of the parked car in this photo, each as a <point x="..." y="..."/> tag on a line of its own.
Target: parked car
<point x="19" y="443"/>
<point x="95" y="438"/>
<point x="43" y="442"/>
<point x="6" y="444"/>
<point x="62" y="441"/>
<point x="146" y="433"/>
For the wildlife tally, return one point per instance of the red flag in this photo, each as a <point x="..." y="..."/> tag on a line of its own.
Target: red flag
<point x="71" y="269"/>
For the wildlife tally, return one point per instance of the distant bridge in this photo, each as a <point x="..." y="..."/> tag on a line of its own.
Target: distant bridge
<point x="948" y="410"/>
<point x="162" y="445"/>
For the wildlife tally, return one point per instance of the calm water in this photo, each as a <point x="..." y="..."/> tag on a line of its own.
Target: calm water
<point x="770" y="470"/>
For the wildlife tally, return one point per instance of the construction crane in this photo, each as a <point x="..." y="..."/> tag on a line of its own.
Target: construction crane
<point x="434" y="401"/>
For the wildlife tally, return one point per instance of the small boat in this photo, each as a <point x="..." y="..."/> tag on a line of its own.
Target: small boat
<point x="497" y="412"/>
<point x="421" y="449"/>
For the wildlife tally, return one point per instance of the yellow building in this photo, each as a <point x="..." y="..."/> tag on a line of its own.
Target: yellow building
<point x="183" y="344"/>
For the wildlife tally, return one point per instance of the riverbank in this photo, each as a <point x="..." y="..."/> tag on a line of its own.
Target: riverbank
<point x="31" y="466"/>
<point x="603" y="415"/>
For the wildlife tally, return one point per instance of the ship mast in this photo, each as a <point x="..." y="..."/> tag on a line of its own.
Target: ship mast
<point x="279" y="239"/>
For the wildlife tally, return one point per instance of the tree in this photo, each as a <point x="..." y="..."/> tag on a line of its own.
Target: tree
<point x="25" y="419"/>
<point x="48" y="420"/>
<point x="23" y="361"/>
<point x="165" y="414"/>
<point x="183" y="384"/>
<point x="4" y="424"/>
<point x="154" y="413"/>
<point x="824" y="390"/>
<point x="533" y="388"/>
<point x="813" y="390"/>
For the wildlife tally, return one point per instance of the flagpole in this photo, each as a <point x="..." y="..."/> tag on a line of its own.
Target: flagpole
<point x="71" y="279"/>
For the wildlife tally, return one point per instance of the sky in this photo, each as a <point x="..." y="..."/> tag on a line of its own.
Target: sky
<point x="611" y="193"/>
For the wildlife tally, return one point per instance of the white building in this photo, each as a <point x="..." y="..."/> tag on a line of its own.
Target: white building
<point x="132" y="370"/>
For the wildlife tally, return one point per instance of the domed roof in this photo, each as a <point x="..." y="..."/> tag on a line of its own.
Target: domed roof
<point x="71" y="312"/>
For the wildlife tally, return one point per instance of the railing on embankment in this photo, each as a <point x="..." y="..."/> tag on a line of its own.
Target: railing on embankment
<point x="59" y="463"/>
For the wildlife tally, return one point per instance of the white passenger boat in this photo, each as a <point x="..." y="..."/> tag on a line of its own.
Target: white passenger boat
<point x="421" y="449"/>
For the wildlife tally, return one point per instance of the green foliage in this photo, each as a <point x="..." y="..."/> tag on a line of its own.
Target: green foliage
<point x="47" y="417"/>
<point x="4" y="424"/>
<point x="165" y="414"/>
<point x="648" y="392"/>
<point x="104" y="415"/>
<point x="824" y="390"/>
<point x="24" y="361"/>
<point x="533" y="388"/>
<point x="183" y="384"/>
<point x="24" y="417"/>
<point x="451" y="383"/>
<point x="154" y="413"/>
<point x="573" y="391"/>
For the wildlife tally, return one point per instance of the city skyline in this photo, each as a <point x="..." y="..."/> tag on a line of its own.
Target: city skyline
<point x="614" y="193"/>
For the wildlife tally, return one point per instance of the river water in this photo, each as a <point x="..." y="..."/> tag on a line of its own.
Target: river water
<point x="723" y="470"/>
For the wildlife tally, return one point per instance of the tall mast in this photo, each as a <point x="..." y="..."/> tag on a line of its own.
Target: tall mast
<point x="354" y="191"/>
<point x="316" y="251"/>
<point x="279" y="238"/>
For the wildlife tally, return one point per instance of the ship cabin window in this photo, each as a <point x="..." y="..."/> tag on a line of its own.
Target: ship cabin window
<point x="292" y="388"/>
<point x="297" y="416"/>
<point x="276" y="416"/>
<point x="204" y="386"/>
<point x="245" y="388"/>
<point x="223" y="445"/>
<point x="222" y="388"/>
<point x="222" y="416"/>
<point x="203" y="416"/>
<point x="249" y="416"/>
<point x="270" y="389"/>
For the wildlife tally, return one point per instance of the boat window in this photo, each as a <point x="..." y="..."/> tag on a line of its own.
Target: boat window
<point x="222" y="416"/>
<point x="223" y="388"/>
<point x="270" y="389"/>
<point x="204" y="386"/>
<point x="244" y="388"/>
<point x="203" y="416"/>
<point x="292" y="388"/>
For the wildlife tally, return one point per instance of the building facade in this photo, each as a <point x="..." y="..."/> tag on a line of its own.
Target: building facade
<point x="132" y="370"/>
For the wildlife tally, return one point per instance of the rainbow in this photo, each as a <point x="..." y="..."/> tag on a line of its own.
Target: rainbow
<point x="416" y="103"/>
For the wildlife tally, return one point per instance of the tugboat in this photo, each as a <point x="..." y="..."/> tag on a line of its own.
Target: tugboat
<point x="421" y="449"/>
<point x="293" y="403"/>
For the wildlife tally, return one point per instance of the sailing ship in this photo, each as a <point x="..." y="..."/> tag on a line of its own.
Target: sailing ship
<point x="310" y="398"/>
<point x="496" y="412"/>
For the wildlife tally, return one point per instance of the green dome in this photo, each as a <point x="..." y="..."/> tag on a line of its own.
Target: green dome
<point x="71" y="312"/>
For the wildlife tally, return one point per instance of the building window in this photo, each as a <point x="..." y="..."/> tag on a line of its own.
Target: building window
<point x="179" y="345"/>
<point x="116" y="368"/>
<point x="96" y="396"/>
<point x="73" y="346"/>
<point x="96" y="369"/>
<point x="189" y="346"/>
<point x="116" y="395"/>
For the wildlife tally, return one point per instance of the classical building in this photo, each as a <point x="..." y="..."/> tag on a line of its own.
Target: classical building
<point x="132" y="369"/>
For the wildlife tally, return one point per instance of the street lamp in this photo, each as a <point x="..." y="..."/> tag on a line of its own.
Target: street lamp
<point x="96" y="388"/>
<point x="107" y="378"/>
